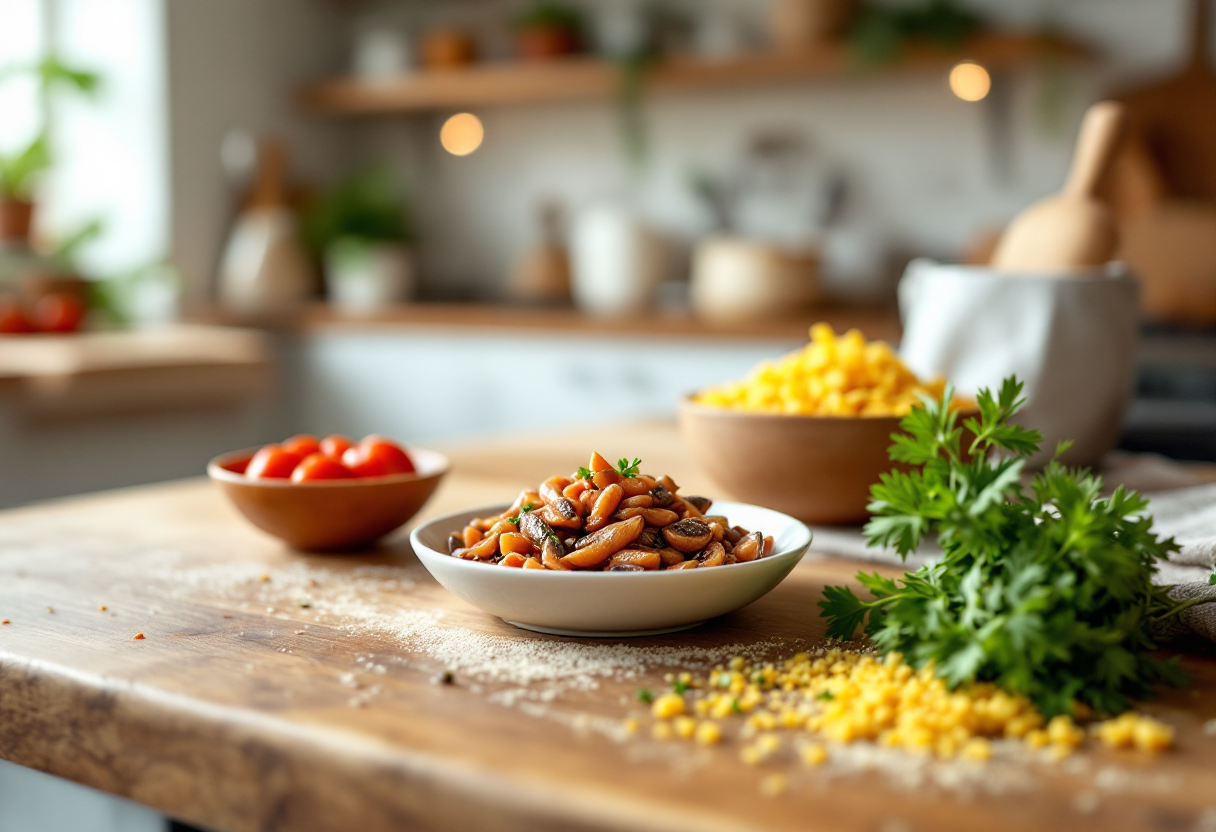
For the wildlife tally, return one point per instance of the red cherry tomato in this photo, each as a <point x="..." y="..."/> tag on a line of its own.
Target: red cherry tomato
<point x="272" y="463"/>
<point x="318" y="466"/>
<point x="12" y="319"/>
<point x="335" y="445"/>
<point x="302" y="444"/>
<point x="58" y="312"/>
<point x="376" y="456"/>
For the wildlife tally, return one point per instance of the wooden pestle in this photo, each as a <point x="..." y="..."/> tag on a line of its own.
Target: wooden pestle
<point x="1072" y="230"/>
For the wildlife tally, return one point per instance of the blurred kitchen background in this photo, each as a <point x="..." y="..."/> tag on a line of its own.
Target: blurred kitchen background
<point x="225" y="222"/>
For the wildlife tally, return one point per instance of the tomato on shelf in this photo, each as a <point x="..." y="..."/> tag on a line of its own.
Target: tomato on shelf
<point x="318" y="466"/>
<point x="335" y="445"/>
<point x="59" y="312"/>
<point x="303" y="444"/>
<point x="376" y="456"/>
<point x="12" y="318"/>
<point x="272" y="462"/>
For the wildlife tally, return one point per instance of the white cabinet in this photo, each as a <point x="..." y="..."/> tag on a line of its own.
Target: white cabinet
<point x="423" y="385"/>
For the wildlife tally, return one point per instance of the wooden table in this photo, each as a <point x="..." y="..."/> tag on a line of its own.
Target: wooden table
<point x="268" y="693"/>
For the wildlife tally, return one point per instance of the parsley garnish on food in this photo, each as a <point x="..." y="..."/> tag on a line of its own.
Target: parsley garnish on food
<point x="627" y="468"/>
<point x="525" y="508"/>
<point x="679" y="686"/>
<point x="1045" y="591"/>
<point x="645" y="695"/>
<point x="513" y="521"/>
<point x="825" y="696"/>
<point x="585" y="473"/>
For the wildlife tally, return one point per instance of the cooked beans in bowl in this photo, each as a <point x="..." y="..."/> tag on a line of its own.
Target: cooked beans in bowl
<point x="608" y="518"/>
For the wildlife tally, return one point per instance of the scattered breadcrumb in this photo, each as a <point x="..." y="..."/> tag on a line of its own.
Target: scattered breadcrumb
<point x="103" y="608"/>
<point x="138" y="636"/>
<point x="6" y="621"/>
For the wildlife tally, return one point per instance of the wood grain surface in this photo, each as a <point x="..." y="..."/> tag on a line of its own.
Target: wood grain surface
<point x="281" y="691"/>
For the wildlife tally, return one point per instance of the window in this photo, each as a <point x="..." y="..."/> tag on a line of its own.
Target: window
<point x="111" y="158"/>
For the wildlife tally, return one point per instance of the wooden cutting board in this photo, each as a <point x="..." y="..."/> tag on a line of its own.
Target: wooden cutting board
<point x="1176" y="119"/>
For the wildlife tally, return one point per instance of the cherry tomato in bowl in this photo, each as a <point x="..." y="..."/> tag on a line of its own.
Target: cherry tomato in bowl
<point x="376" y="456"/>
<point x="335" y="445"/>
<point x="273" y="462"/>
<point x="303" y="444"/>
<point x="318" y="466"/>
<point x="13" y="320"/>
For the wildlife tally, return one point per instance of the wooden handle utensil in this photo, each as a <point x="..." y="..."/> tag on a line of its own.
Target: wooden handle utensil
<point x="1073" y="230"/>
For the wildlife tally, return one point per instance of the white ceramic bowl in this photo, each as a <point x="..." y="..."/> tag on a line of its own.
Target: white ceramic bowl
<point x="613" y="604"/>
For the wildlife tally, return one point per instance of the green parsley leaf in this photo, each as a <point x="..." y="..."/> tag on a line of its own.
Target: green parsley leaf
<point x="585" y="473"/>
<point x="1044" y="590"/>
<point x="525" y="508"/>
<point x="1212" y="579"/>
<point x="513" y="521"/>
<point x="679" y="686"/>
<point x="645" y="695"/>
<point x="825" y="695"/>
<point x="734" y="706"/>
<point x="627" y="468"/>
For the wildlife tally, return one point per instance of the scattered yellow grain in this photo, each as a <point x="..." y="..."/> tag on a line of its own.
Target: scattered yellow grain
<point x="631" y="725"/>
<point x="814" y="754"/>
<point x="831" y="376"/>
<point x="684" y="726"/>
<point x="774" y="785"/>
<point x="668" y="706"/>
<point x="709" y="733"/>
<point x="662" y="731"/>
<point x="1133" y="729"/>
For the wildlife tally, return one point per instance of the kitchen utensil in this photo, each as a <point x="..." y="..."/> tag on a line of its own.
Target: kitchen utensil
<point x="735" y="278"/>
<point x="613" y="604"/>
<point x="617" y="261"/>
<point x="816" y="468"/>
<point x="329" y="514"/>
<point x="542" y="275"/>
<point x="1072" y="230"/>
<point x="1177" y="117"/>
<point x="1071" y="342"/>
<point x="263" y="267"/>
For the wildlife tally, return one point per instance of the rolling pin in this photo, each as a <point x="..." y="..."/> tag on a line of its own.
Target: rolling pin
<point x="1073" y="230"/>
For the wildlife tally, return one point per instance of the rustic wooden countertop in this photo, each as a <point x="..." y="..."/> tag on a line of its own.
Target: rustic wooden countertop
<point x="876" y="322"/>
<point x="281" y="691"/>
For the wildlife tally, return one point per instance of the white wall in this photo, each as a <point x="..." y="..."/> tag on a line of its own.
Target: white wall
<point x="239" y="64"/>
<point x="918" y="159"/>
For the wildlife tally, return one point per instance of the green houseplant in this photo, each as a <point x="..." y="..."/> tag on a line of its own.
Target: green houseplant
<point x="20" y="169"/>
<point x="361" y="230"/>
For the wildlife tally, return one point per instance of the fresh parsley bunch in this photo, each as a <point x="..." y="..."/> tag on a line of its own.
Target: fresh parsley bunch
<point x="1045" y="591"/>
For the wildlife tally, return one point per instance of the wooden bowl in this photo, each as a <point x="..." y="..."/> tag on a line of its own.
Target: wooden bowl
<point x="816" y="468"/>
<point x="328" y="515"/>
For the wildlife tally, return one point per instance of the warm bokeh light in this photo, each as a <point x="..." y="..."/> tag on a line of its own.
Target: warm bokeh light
<point x="970" y="82"/>
<point x="462" y="134"/>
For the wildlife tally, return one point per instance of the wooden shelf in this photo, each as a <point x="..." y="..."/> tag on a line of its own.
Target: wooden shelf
<point x="875" y="322"/>
<point x="576" y="79"/>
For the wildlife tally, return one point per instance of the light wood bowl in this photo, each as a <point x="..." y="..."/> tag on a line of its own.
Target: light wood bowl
<point x="331" y="515"/>
<point x="816" y="468"/>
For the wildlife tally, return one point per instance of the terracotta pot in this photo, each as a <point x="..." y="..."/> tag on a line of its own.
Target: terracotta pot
<point x="801" y="24"/>
<point x="534" y="43"/>
<point x="447" y="49"/>
<point x="16" y="219"/>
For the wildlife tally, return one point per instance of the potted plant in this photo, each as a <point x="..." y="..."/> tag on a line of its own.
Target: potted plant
<point x="21" y="168"/>
<point x="548" y="30"/>
<point x="360" y="229"/>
